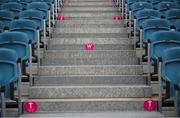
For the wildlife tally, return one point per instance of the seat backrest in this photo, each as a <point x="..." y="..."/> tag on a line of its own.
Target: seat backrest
<point x="145" y="14"/>
<point x="150" y="26"/>
<point x="6" y="17"/>
<point x="47" y="1"/>
<point x="17" y="41"/>
<point x="12" y="6"/>
<point x="1" y="26"/>
<point x="27" y="26"/>
<point x="34" y="15"/>
<point x="177" y="25"/>
<point x="140" y="5"/>
<point x="131" y="2"/>
<point x="173" y="15"/>
<point x="162" y="40"/>
<point x="25" y="3"/>
<point x="41" y="6"/>
<point x="165" y="6"/>
<point x="9" y="68"/>
<point x="171" y="64"/>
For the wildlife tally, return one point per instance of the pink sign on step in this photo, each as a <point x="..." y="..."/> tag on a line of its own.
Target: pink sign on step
<point x="61" y="18"/>
<point x="150" y="105"/>
<point x="30" y="106"/>
<point x="116" y="18"/>
<point x="67" y="1"/>
<point x="89" y="46"/>
<point x="110" y="2"/>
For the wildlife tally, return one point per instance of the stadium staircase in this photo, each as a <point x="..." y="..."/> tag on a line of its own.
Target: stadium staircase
<point x="108" y="81"/>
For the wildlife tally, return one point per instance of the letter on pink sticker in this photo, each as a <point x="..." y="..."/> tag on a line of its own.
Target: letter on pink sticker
<point x="61" y="18"/>
<point x="89" y="46"/>
<point x="30" y="106"/>
<point x="150" y="105"/>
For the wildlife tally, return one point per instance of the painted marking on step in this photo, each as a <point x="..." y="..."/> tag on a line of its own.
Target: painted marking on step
<point x="67" y="1"/>
<point x="30" y="106"/>
<point x="89" y="46"/>
<point x="150" y="105"/>
<point x="110" y="2"/>
<point x="61" y="18"/>
<point x="116" y="18"/>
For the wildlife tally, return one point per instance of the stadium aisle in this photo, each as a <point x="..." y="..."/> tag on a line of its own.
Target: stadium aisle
<point x="90" y="68"/>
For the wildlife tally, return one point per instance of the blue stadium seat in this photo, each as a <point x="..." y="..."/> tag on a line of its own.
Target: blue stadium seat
<point x="12" y="6"/>
<point x="34" y="15"/>
<point x="1" y="27"/>
<point x="24" y="3"/>
<point x="38" y="17"/>
<point x="9" y="69"/>
<point x="49" y="2"/>
<point x="27" y="26"/>
<point x="165" y="6"/>
<point x="173" y="15"/>
<point x="170" y="67"/>
<point x="155" y="3"/>
<point x="17" y="41"/>
<point x="41" y="6"/>
<point x="6" y="17"/>
<point x="140" y="6"/>
<point x="131" y="2"/>
<point x="145" y="14"/>
<point x="3" y="1"/>
<point x="177" y="25"/>
<point x="45" y="9"/>
<point x="150" y="26"/>
<point x="162" y="40"/>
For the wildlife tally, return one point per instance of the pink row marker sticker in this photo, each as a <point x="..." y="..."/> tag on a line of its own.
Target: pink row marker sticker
<point x="110" y="2"/>
<point x="61" y="18"/>
<point x="116" y="18"/>
<point x="150" y="105"/>
<point x="67" y="1"/>
<point x="30" y="106"/>
<point x="89" y="46"/>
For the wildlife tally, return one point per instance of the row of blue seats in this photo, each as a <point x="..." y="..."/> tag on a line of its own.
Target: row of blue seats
<point x="155" y="26"/>
<point x="19" y="39"/>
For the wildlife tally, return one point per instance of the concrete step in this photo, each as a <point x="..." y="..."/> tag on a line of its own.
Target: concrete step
<point x="89" y="14"/>
<point x="87" y="8"/>
<point x="81" y="46"/>
<point x="87" y="80"/>
<point x="86" y="1"/>
<point x="120" y="114"/>
<point x="95" y="54"/>
<point x="87" y="60"/>
<point x="83" y="40"/>
<point x="96" y="57"/>
<point x="91" y="105"/>
<point x="89" y="3"/>
<point x="90" y="35"/>
<point x="91" y="70"/>
<point x="89" y="29"/>
<point x="86" y="18"/>
<point x="91" y="91"/>
<point x="74" y="22"/>
<point x="91" y="25"/>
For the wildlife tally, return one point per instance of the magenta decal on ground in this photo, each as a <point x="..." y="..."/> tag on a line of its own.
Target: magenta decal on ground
<point x="30" y="106"/>
<point x="67" y="1"/>
<point x="89" y="46"/>
<point x="110" y="2"/>
<point x="61" y="18"/>
<point x="150" y="105"/>
<point x="116" y="18"/>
